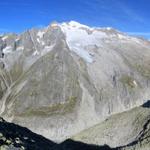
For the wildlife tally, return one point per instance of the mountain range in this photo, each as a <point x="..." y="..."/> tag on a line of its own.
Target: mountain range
<point x="70" y="80"/>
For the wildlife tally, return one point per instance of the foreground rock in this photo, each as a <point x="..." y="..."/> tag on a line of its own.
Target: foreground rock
<point x="131" y="128"/>
<point x="14" y="137"/>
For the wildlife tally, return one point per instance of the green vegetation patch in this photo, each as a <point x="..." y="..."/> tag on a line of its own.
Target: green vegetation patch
<point x="54" y="109"/>
<point x="145" y="71"/>
<point x="128" y="81"/>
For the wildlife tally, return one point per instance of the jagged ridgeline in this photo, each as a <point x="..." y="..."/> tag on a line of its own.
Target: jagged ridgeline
<point x="65" y="78"/>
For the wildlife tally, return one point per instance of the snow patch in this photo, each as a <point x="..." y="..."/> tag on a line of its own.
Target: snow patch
<point x="20" y="48"/>
<point x="47" y="49"/>
<point x="35" y="53"/>
<point x="76" y="24"/>
<point x="40" y="34"/>
<point x="17" y="40"/>
<point x="7" y="49"/>
<point x="120" y="36"/>
<point x="82" y="53"/>
<point x="43" y="43"/>
<point x="43" y="51"/>
<point x="109" y="28"/>
<point x="38" y="40"/>
<point x="4" y="38"/>
<point x="135" y="83"/>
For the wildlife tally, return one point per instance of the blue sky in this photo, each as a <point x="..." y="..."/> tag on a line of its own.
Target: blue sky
<point x="132" y="16"/>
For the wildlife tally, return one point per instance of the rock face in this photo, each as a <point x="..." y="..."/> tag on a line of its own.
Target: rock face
<point x="67" y="77"/>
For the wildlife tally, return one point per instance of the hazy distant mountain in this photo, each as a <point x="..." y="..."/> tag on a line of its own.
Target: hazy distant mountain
<point x="65" y="78"/>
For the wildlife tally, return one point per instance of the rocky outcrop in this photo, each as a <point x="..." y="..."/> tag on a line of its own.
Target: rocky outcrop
<point x="131" y="128"/>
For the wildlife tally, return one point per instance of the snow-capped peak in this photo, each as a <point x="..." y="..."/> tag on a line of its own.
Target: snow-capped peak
<point x="79" y="37"/>
<point x="74" y="24"/>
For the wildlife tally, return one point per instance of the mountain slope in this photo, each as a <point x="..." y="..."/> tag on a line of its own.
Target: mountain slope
<point x="131" y="128"/>
<point x="70" y="77"/>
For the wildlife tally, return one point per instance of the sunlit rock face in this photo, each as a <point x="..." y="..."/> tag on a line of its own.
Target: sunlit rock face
<point x="64" y="78"/>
